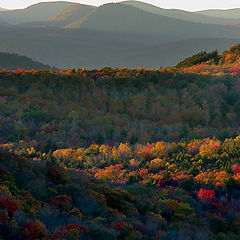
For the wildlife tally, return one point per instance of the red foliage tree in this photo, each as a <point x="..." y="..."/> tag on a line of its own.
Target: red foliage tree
<point x="8" y="204"/>
<point x="206" y="194"/>
<point x="34" y="230"/>
<point x="236" y="169"/>
<point x="78" y="227"/>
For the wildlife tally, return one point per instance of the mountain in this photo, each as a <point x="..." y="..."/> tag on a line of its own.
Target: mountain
<point x="229" y="13"/>
<point x="73" y="13"/>
<point x="37" y="12"/>
<point x="114" y="35"/>
<point x="73" y="48"/>
<point x="12" y="61"/>
<point x="128" y="19"/>
<point x="180" y="14"/>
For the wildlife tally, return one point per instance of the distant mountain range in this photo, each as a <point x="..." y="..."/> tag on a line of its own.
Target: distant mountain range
<point x="128" y="19"/>
<point x="71" y="12"/>
<point x="182" y="15"/>
<point x="128" y="33"/>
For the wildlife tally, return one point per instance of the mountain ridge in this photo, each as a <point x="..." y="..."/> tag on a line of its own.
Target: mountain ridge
<point x="110" y="17"/>
<point x="36" y="12"/>
<point x="180" y="14"/>
<point x="71" y="14"/>
<point x="113" y="34"/>
<point x="224" y="13"/>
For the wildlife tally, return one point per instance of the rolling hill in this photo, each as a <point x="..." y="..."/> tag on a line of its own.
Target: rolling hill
<point x="73" y="48"/>
<point x="37" y="12"/>
<point x="180" y="14"/>
<point x="86" y="16"/>
<point x="74" y="12"/>
<point x="14" y="61"/>
<point x="128" y="19"/>
<point x="74" y="15"/>
<point x="229" y="13"/>
<point x="117" y="35"/>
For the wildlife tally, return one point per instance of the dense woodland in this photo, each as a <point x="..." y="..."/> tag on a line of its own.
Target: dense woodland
<point x="185" y="190"/>
<point x="120" y="153"/>
<point x="80" y="107"/>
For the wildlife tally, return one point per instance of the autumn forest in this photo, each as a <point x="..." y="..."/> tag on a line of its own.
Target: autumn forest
<point x="119" y="153"/>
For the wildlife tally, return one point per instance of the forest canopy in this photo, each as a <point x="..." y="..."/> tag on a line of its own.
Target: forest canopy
<point x="121" y="154"/>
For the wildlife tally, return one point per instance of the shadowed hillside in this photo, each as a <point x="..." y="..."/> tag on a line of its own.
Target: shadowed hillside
<point x="75" y="14"/>
<point x="123" y="18"/>
<point x="14" y="61"/>
<point x="68" y="48"/>
<point x="116" y="35"/>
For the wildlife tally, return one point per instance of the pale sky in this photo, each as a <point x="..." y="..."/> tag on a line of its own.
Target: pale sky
<point x="179" y="4"/>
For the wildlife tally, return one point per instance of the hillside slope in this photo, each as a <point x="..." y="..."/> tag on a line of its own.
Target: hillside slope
<point x="114" y="35"/>
<point x="13" y="61"/>
<point x="121" y="198"/>
<point x="71" y="14"/>
<point x="229" y="13"/>
<point x="180" y="14"/>
<point x="37" y="12"/>
<point x="123" y="18"/>
<point x="75" y="12"/>
<point x="213" y="63"/>
<point x="73" y="48"/>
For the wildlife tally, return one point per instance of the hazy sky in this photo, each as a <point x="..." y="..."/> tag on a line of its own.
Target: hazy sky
<point x="181" y="4"/>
